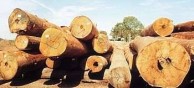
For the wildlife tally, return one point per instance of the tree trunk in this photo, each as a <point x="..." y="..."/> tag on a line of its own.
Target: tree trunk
<point x="101" y="44"/>
<point x="120" y="76"/>
<point x="183" y="27"/>
<point x="53" y="63"/>
<point x="55" y="42"/>
<point x="96" y="63"/>
<point x="162" y="27"/>
<point x="11" y="62"/>
<point x="24" y="42"/>
<point x="22" y="22"/>
<point x="183" y="35"/>
<point x="83" y="28"/>
<point x="160" y="62"/>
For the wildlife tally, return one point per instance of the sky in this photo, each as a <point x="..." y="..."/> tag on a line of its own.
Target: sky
<point x="104" y="13"/>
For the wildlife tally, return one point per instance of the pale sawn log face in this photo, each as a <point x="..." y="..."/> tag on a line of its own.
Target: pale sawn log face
<point x="55" y="42"/>
<point x="101" y="44"/>
<point x="22" y="22"/>
<point x="162" y="27"/>
<point x="163" y="64"/>
<point x="96" y="63"/>
<point x="83" y="28"/>
<point x="8" y="65"/>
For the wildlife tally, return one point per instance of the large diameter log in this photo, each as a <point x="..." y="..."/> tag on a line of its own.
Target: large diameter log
<point x="162" y="27"/>
<point x="55" y="42"/>
<point x="101" y="44"/>
<point x="11" y="62"/>
<point x="183" y="27"/>
<point x="83" y="28"/>
<point x="22" y="22"/>
<point x="24" y="42"/>
<point x="161" y="63"/>
<point x="96" y="63"/>
<point x="120" y="76"/>
<point x="183" y="35"/>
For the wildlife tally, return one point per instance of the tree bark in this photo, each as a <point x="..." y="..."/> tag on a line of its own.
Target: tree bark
<point x="97" y="63"/>
<point x="128" y="55"/>
<point x="55" y="42"/>
<point x="161" y="62"/>
<point x="101" y="44"/>
<point x="183" y="27"/>
<point x="162" y="27"/>
<point x="183" y="35"/>
<point x="22" y="22"/>
<point x="12" y="62"/>
<point x="24" y="42"/>
<point x="120" y="76"/>
<point x="83" y="28"/>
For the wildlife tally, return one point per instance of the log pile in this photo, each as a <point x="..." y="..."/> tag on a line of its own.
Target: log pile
<point x="161" y="57"/>
<point x="76" y="52"/>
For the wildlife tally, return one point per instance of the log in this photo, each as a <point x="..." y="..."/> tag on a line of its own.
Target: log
<point x="183" y="35"/>
<point x="96" y="63"/>
<point x="162" y="27"/>
<point x="24" y="42"/>
<point x="101" y="44"/>
<point x="22" y="22"/>
<point x="12" y="62"/>
<point x="53" y="63"/>
<point x="7" y="45"/>
<point x="55" y="42"/>
<point x="129" y="55"/>
<point x="83" y="28"/>
<point x="120" y="76"/>
<point x="183" y="27"/>
<point x="161" y="63"/>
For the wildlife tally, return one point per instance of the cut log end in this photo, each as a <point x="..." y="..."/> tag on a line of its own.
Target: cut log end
<point x="21" y="42"/>
<point x="8" y="66"/>
<point x="163" y="26"/>
<point x="96" y="63"/>
<point x="18" y="21"/>
<point x="82" y="27"/>
<point x="52" y="42"/>
<point x="166" y="62"/>
<point x="120" y="78"/>
<point x="101" y="44"/>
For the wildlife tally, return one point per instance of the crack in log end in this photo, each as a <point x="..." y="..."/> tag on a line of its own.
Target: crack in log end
<point x="95" y="64"/>
<point x="163" y="26"/>
<point x="168" y="60"/>
<point x="159" y="65"/>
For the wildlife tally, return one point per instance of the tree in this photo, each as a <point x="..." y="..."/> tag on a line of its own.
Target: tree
<point x="128" y="29"/>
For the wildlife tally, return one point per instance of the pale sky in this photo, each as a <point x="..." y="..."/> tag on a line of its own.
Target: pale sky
<point x="104" y="13"/>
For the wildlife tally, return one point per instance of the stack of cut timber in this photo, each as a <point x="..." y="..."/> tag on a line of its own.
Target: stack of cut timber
<point x="164" y="53"/>
<point x="76" y="52"/>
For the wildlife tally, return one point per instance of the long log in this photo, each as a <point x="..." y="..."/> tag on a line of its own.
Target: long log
<point x="7" y="45"/>
<point x="101" y="44"/>
<point x="22" y="22"/>
<point x="183" y="35"/>
<point x="120" y="76"/>
<point x="96" y="63"/>
<point x="83" y="28"/>
<point x="24" y="42"/>
<point x="162" y="27"/>
<point x="160" y="62"/>
<point x="183" y="27"/>
<point x="129" y="55"/>
<point x="55" y="42"/>
<point x="12" y="62"/>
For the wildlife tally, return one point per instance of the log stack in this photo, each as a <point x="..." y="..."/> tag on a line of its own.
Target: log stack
<point x="162" y="57"/>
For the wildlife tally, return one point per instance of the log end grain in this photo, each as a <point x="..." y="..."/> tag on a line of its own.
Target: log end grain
<point x="120" y="78"/>
<point x="163" y="26"/>
<point x="163" y="64"/>
<point x="18" y="21"/>
<point x="83" y="28"/>
<point x="101" y="44"/>
<point x="96" y="63"/>
<point x="21" y="42"/>
<point x="53" y="42"/>
<point x="8" y="66"/>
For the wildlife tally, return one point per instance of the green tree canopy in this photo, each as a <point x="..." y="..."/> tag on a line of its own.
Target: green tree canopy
<point x="128" y="29"/>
